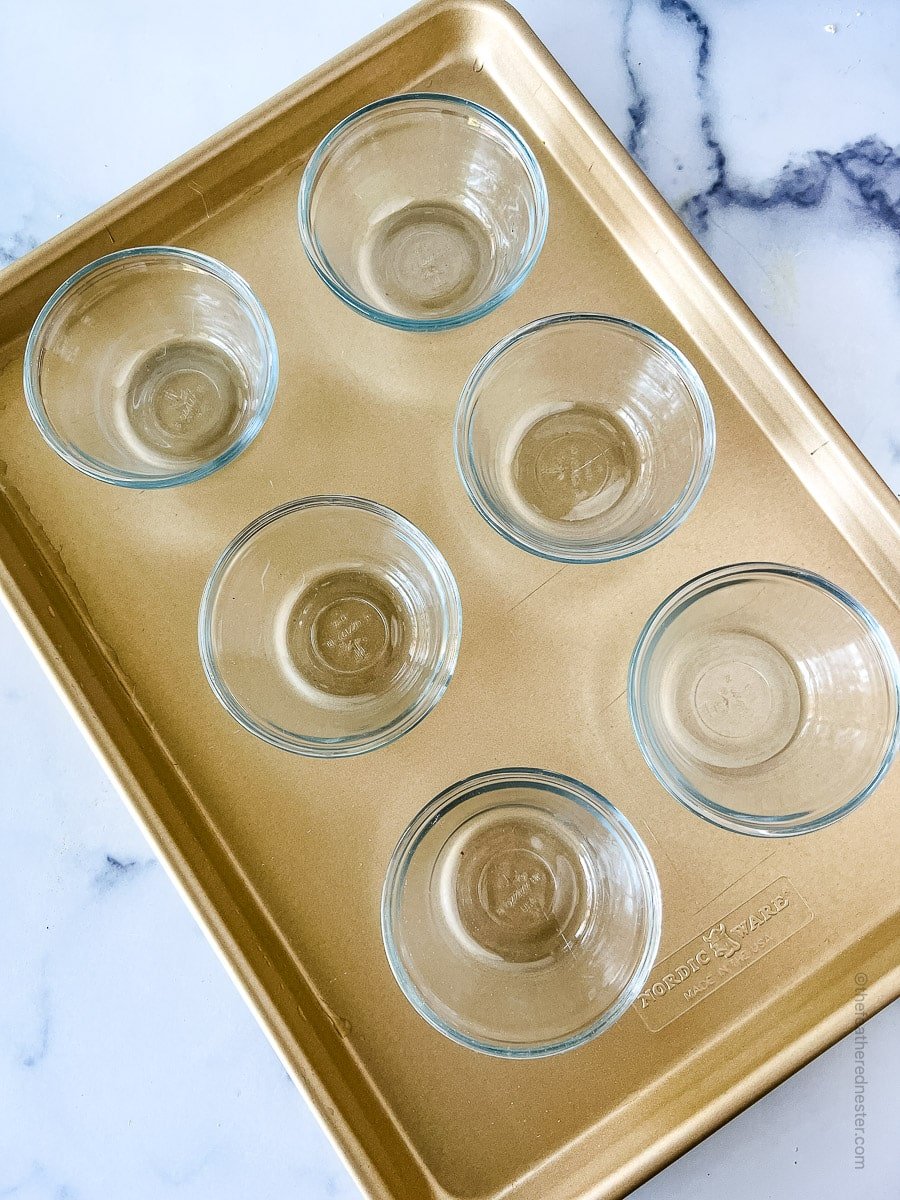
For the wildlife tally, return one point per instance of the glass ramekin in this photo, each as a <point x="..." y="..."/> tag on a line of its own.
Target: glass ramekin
<point x="521" y="913"/>
<point x="330" y="626"/>
<point x="151" y="367"/>
<point x="765" y="699"/>
<point x="423" y="211"/>
<point x="584" y="438"/>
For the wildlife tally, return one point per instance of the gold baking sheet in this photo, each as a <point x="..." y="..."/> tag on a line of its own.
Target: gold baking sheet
<point x="281" y="857"/>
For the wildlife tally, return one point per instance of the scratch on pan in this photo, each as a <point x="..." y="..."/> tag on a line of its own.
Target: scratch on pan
<point x="734" y="883"/>
<point x="539" y="586"/>
<point x="194" y="188"/>
<point x="665" y="854"/>
<point x="610" y="703"/>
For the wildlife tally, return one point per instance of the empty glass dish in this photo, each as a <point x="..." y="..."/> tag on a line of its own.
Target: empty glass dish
<point x="584" y="438"/>
<point x="423" y="211"/>
<point x="521" y="913"/>
<point x="151" y="367"/>
<point x="765" y="699"/>
<point x="330" y="626"/>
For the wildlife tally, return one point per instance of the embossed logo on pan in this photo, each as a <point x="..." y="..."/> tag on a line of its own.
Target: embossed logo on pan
<point x="722" y="951"/>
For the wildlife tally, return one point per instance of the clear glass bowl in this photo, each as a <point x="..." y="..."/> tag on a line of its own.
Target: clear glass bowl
<point x="521" y="913"/>
<point x="330" y="626"/>
<point x="765" y="699"/>
<point x="151" y="367"/>
<point x="584" y="438"/>
<point x="423" y="211"/>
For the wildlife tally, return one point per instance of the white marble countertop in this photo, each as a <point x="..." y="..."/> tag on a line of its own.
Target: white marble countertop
<point x="129" y="1067"/>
